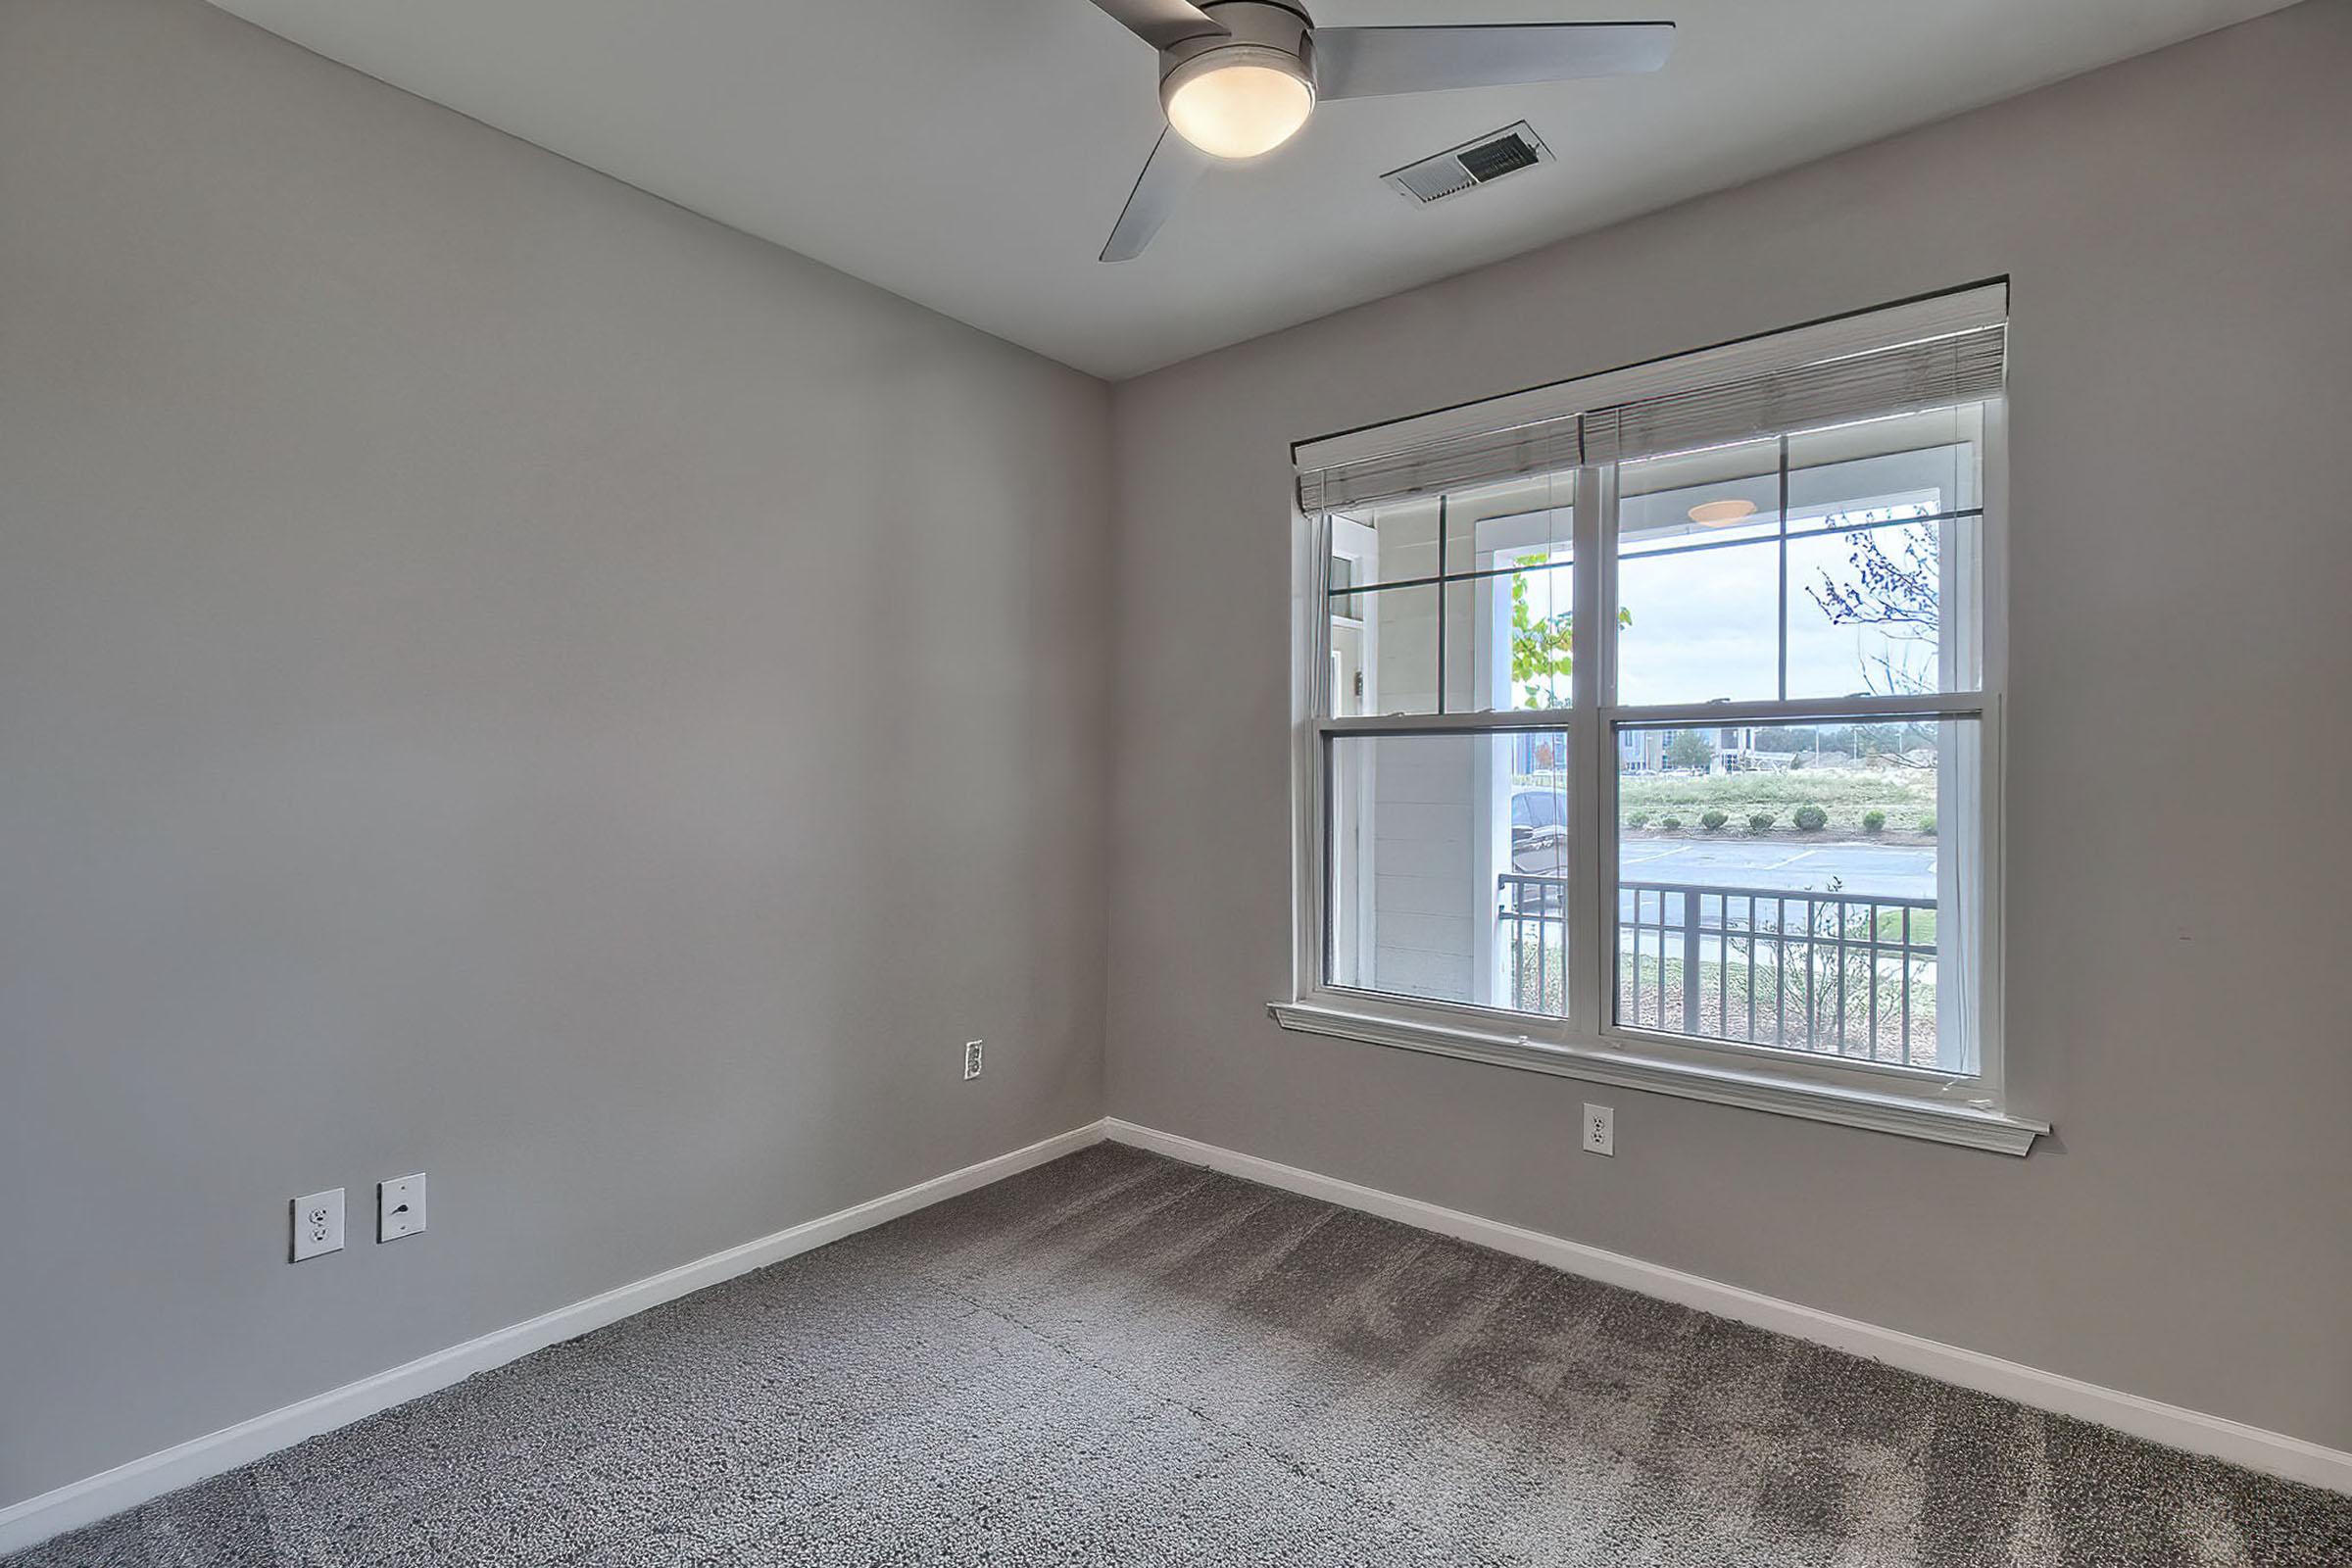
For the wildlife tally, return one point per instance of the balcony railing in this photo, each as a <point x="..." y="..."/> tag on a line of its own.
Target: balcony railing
<point x="1840" y="974"/>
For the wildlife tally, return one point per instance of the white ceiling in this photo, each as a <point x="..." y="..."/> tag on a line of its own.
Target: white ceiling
<point x="972" y="154"/>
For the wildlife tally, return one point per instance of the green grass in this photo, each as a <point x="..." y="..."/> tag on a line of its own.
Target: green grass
<point x="1886" y="923"/>
<point x="1904" y="795"/>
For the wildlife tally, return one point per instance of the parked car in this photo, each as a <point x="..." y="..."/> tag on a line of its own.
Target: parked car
<point x="1538" y="832"/>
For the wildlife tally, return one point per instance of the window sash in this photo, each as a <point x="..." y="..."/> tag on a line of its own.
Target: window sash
<point x="1964" y="915"/>
<point x="1593" y="933"/>
<point x="1593" y="937"/>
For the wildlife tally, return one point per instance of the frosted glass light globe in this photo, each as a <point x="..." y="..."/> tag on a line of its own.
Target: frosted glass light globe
<point x="1237" y="108"/>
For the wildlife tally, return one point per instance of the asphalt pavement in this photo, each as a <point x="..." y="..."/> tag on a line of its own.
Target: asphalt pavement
<point x="1859" y="866"/>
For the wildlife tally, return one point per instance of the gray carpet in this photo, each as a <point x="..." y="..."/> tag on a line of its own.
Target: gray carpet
<point x="1116" y="1359"/>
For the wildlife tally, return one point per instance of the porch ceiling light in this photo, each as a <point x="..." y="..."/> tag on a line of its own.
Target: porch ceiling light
<point x="1722" y="514"/>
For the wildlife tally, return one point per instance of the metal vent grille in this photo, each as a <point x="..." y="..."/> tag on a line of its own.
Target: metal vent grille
<point x="1472" y="164"/>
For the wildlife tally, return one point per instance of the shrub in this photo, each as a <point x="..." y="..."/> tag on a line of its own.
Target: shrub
<point x="1637" y="820"/>
<point x="1874" y="821"/>
<point x="1712" y="821"/>
<point x="1761" y="821"/>
<point x="1670" y="823"/>
<point x="1926" y="825"/>
<point x="1811" y="819"/>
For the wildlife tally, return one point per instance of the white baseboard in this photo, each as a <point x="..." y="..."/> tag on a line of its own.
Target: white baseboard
<point x="2272" y="1452"/>
<point x="36" y="1519"/>
<point x="80" y="1502"/>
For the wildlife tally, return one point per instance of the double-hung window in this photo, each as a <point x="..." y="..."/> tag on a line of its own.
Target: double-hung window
<point x="1648" y="726"/>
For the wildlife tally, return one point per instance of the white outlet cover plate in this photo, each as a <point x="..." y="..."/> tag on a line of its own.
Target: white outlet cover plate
<point x="318" y="1223"/>
<point x="399" y="1208"/>
<point x="1601" y="1130"/>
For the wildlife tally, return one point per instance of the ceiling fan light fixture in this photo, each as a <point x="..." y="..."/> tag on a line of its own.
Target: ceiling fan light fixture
<point x="1238" y="77"/>
<point x="1240" y="101"/>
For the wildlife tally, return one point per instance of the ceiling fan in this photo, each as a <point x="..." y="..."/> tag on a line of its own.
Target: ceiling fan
<point x="1238" y="77"/>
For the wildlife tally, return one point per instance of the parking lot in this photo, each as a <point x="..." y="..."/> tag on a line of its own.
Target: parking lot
<point x="1858" y="865"/>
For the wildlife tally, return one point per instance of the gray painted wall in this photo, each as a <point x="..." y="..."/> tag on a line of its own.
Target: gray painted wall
<point x="2180" y="231"/>
<point x="498" y="676"/>
<point x="501" y="676"/>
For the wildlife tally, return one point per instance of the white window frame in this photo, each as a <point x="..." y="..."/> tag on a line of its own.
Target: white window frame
<point x="1970" y="1110"/>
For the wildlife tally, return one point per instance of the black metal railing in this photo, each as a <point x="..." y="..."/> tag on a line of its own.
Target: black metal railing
<point x="1835" y="974"/>
<point x="1533" y="911"/>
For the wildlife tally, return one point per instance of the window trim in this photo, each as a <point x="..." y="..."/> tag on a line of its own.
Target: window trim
<point x="1965" y="1124"/>
<point x="1589" y="1043"/>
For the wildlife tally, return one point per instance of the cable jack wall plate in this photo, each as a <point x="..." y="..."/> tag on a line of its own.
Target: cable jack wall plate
<point x="399" y="1208"/>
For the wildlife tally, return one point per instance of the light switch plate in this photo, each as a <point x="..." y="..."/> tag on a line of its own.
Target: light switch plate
<point x="399" y="1208"/>
<point x="317" y="1224"/>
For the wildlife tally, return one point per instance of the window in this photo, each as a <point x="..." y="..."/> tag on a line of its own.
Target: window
<point x="1650" y="730"/>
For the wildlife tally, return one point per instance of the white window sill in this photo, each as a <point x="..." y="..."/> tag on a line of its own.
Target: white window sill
<point x="1908" y="1116"/>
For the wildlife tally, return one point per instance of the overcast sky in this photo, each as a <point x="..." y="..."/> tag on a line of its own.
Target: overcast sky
<point x="1705" y="625"/>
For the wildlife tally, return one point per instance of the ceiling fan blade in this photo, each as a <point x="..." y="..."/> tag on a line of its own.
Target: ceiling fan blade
<point x="1173" y="166"/>
<point x="1161" y="23"/>
<point x="1376" y="62"/>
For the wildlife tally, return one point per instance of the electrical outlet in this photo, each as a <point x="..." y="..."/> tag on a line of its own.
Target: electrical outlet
<point x="399" y="1208"/>
<point x="971" y="1059"/>
<point x="1601" y="1130"/>
<point x="318" y="1221"/>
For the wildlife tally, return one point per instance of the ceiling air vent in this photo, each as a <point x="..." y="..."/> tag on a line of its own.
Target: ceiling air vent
<point x="1472" y="164"/>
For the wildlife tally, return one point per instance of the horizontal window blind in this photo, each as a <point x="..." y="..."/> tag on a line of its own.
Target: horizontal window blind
<point x="1937" y="374"/>
<point x="1455" y="465"/>
<point x="1928" y="353"/>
